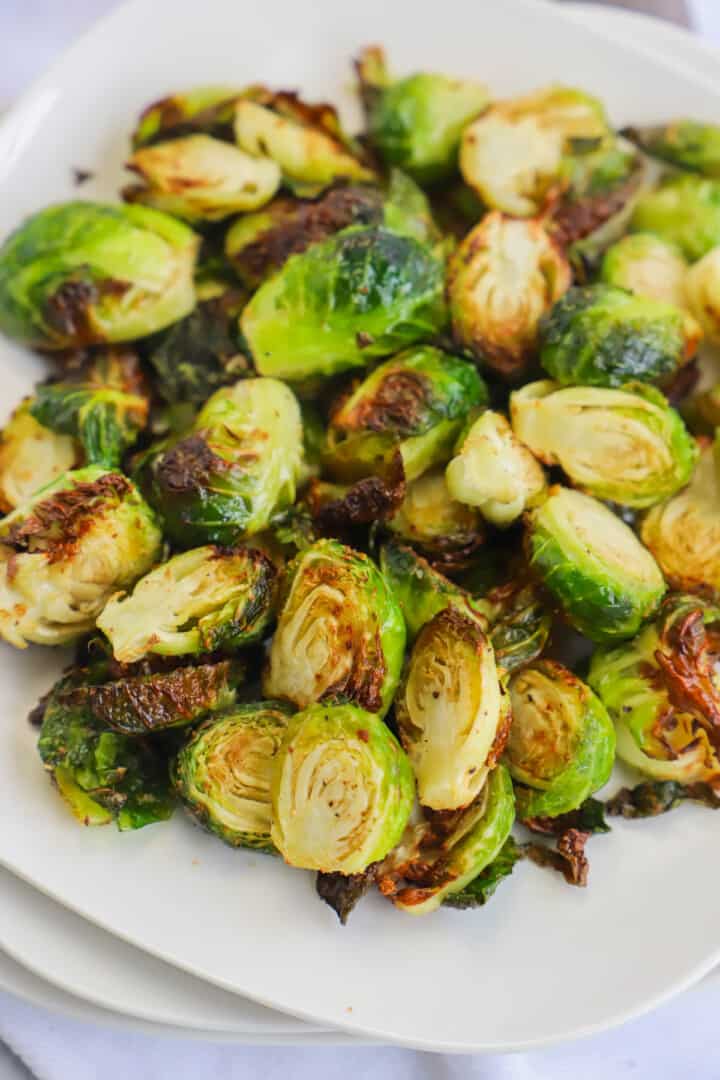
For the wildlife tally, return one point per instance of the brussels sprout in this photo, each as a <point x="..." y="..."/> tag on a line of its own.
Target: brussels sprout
<point x="702" y="292"/>
<point x="415" y="403"/>
<point x="663" y="692"/>
<point x="446" y="530"/>
<point x="625" y="445"/>
<point x="363" y="293"/>
<point x="648" y="266"/>
<point x="342" y="790"/>
<point x="684" y="533"/>
<point x="684" y="210"/>
<point x="259" y="244"/>
<point x="452" y="711"/>
<point x="103" y="776"/>
<point x="223" y="773"/>
<point x="446" y="866"/>
<point x="31" y="456"/>
<point x="495" y="472"/>
<point x="606" y="582"/>
<point x="208" y="109"/>
<point x="67" y="550"/>
<point x="305" y="141"/>
<point x="205" y="599"/>
<point x="599" y="335"/>
<point x="82" y="273"/>
<point x="236" y="468"/>
<point x="688" y="144"/>
<point x="562" y="742"/>
<point x="502" y="279"/>
<point x="514" y="154"/>
<point x="340" y="631"/>
<point x="416" y="123"/>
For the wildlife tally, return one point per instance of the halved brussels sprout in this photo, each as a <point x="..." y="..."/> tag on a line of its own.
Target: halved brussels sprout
<point x="562" y="742"/>
<point x="625" y="445"/>
<point x="598" y="335"/>
<point x="67" y="550"/>
<point x="83" y="273"/>
<point x="223" y="772"/>
<point x="340" y="631"/>
<point x="452" y="711"/>
<point x="305" y="141"/>
<point x="648" y="266"/>
<point x="237" y="467"/>
<point x="684" y="210"/>
<point x="689" y="144"/>
<point x="208" y="109"/>
<point x="446" y="530"/>
<point x="200" y="178"/>
<point x="102" y="775"/>
<point x="363" y="293"/>
<point x="702" y="293"/>
<point x="31" y="456"/>
<point x="495" y="472"/>
<point x="513" y="154"/>
<point x="414" y="403"/>
<point x="606" y="582"/>
<point x="416" y="123"/>
<point x="205" y="599"/>
<point x="663" y="691"/>
<point x="446" y="864"/>
<point x="342" y="790"/>
<point x="502" y="279"/>
<point x="684" y="533"/>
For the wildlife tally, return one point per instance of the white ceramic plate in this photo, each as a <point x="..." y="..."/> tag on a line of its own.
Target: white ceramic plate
<point x="542" y="963"/>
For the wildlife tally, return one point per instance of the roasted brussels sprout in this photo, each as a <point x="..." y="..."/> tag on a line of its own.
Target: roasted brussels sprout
<point x="414" y="403"/>
<point x="702" y="293"/>
<point x="236" y="468"/>
<point x="223" y="772"/>
<point x="502" y="279"/>
<point x="625" y="445"/>
<point x="598" y="335"/>
<point x="663" y="692"/>
<point x="684" y="210"/>
<point x="67" y="550"/>
<point x="689" y="144"/>
<point x="82" y="273"/>
<point x="103" y="776"/>
<point x="31" y="456"/>
<point x="446" y="530"/>
<point x="495" y="472"/>
<point x="605" y="581"/>
<point x="562" y="742"/>
<point x="342" y="790"/>
<point x="684" y="532"/>
<point x="513" y="155"/>
<point x="205" y="599"/>
<point x="648" y="266"/>
<point x="340" y="631"/>
<point x="363" y="293"/>
<point x="416" y="123"/>
<point x="452" y="710"/>
<point x="206" y="109"/>
<point x="443" y="866"/>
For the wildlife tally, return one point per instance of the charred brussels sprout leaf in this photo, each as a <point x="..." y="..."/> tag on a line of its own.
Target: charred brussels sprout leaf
<point x="478" y="891"/>
<point x="205" y="599"/>
<point x="684" y="210"/>
<point x="689" y="144"/>
<point x="663" y="692"/>
<point x="342" y="790"/>
<point x="502" y="279"/>
<point x="223" y="772"/>
<point x="416" y="123"/>
<point x="340" y="631"/>
<point x="84" y="273"/>
<point x="67" y="550"/>
<point x="452" y="711"/>
<point x="493" y="471"/>
<point x="655" y="797"/>
<point x="414" y="403"/>
<point x="31" y="456"/>
<point x="363" y="293"/>
<point x="207" y="109"/>
<point x="236" y="469"/>
<point x="342" y="892"/>
<point x="562" y="743"/>
<point x="520" y="624"/>
<point x="102" y="775"/>
<point x="606" y="582"/>
<point x="602" y="187"/>
<point x="598" y="335"/>
<point x="447" y="531"/>
<point x="593" y="433"/>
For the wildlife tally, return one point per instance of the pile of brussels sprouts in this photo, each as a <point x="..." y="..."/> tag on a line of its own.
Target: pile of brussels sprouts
<point x="373" y="480"/>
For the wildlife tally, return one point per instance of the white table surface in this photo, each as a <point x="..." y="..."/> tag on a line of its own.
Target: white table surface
<point x="677" y="1040"/>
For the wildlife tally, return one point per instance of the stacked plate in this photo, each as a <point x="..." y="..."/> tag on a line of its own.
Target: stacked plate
<point x="59" y="959"/>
